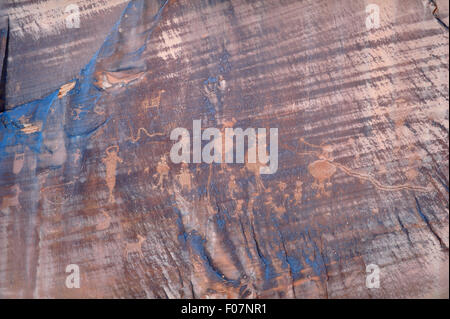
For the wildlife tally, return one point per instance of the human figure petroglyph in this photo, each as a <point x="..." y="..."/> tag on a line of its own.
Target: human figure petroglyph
<point x="11" y="201"/>
<point x="239" y="206"/>
<point x="162" y="172"/>
<point x="105" y="223"/>
<point x="110" y="162"/>
<point x="414" y="162"/>
<point x="232" y="187"/>
<point x="298" y="192"/>
<point x="184" y="177"/>
<point x="268" y="200"/>
<point x="322" y="171"/>
<point x="19" y="159"/>
<point x="255" y="169"/>
<point x="135" y="247"/>
<point x="282" y="186"/>
<point x="76" y="114"/>
<point x="77" y="156"/>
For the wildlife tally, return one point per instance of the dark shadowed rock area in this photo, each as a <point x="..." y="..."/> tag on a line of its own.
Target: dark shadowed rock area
<point x="86" y="178"/>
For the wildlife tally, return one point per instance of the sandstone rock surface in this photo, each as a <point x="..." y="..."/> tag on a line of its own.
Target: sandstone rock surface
<point x="85" y="176"/>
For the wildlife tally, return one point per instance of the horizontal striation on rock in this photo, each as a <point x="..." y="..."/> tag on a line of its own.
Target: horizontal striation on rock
<point x="362" y="118"/>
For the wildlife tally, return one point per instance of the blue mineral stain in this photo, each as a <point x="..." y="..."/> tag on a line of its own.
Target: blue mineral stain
<point x="198" y="244"/>
<point x="182" y="236"/>
<point x="201" y="190"/>
<point x="211" y="79"/>
<point x="220" y="222"/>
<point x="419" y="210"/>
<point x="442" y="183"/>
<point x="296" y="267"/>
<point x="12" y="124"/>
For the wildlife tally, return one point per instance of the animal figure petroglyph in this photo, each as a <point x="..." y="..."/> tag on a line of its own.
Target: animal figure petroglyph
<point x="10" y="201"/>
<point x="360" y="176"/>
<point x="134" y="247"/>
<point x="325" y="150"/>
<point x="110" y="162"/>
<point x="105" y="223"/>
<point x="19" y="160"/>
<point x="162" y="172"/>
<point x="138" y="135"/>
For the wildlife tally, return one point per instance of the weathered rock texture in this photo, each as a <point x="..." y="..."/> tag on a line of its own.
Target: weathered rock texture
<point x="85" y="176"/>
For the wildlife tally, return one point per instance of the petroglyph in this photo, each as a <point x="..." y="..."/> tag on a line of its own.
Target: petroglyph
<point x="162" y="172"/>
<point x="268" y="200"/>
<point x="326" y="150"/>
<point x="322" y="171"/>
<point x="77" y="156"/>
<point x="184" y="177"/>
<point x="56" y="195"/>
<point x="105" y="223"/>
<point x="138" y="136"/>
<point x="154" y="101"/>
<point x="19" y="159"/>
<point x="298" y="192"/>
<point x="110" y="162"/>
<point x="239" y="206"/>
<point x="233" y="187"/>
<point x="76" y="114"/>
<point x="106" y="80"/>
<point x="255" y="168"/>
<point x="11" y="201"/>
<point x="376" y="183"/>
<point x="134" y="247"/>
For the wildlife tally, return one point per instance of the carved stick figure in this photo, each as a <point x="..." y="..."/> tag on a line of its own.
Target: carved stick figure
<point x="111" y="165"/>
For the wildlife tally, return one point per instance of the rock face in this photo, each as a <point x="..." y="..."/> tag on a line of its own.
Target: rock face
<point x="86" y="178"/>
